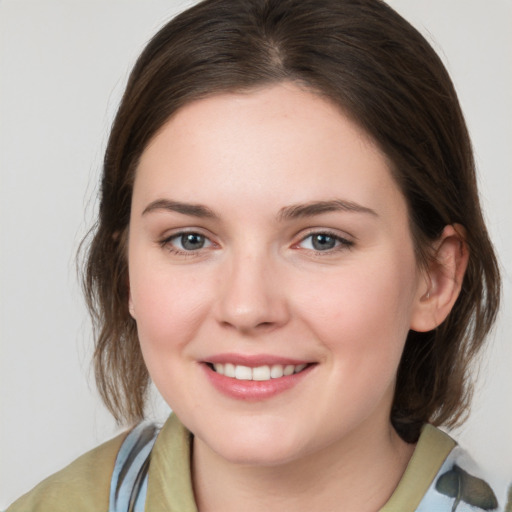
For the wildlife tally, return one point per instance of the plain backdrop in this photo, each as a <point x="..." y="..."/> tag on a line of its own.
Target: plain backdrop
<point x="63" y="65"/>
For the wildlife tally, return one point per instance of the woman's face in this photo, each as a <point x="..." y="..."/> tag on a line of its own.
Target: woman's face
<point x="272" y="274"/>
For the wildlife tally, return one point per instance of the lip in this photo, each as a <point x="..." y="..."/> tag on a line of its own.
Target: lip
<point x="251" y="390"/>
<point x="254" y="361"/>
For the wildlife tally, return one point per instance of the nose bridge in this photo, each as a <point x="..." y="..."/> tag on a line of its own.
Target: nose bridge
<point x="252" y="297"/>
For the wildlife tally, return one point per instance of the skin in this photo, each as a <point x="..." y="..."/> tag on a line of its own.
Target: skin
<point x="258" y="286"/>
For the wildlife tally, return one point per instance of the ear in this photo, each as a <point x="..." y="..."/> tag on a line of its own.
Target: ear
<point x="131" y="307"/>
<point x="442" y="280"/>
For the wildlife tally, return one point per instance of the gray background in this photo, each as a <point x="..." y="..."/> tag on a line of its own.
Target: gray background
<point x="63" y="65"/>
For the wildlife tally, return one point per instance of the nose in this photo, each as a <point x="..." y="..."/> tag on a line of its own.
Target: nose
<point x="253" y="295"/>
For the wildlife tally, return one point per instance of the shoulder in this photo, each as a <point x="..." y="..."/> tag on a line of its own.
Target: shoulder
<point x="82" y="486"/>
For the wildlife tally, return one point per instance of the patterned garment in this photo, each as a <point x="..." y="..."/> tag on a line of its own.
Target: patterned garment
<point x="458" y="485"/>
<point x="456" y="488"/>
<point x="130" y="477"/>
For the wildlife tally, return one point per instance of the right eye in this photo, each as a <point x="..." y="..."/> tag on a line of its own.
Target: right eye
<point x="186" y="242"/>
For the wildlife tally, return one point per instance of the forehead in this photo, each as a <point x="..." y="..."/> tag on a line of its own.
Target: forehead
<point x="283" y="142"/>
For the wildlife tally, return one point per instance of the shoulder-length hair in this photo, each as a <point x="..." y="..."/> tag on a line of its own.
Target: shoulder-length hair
<point x="363" y="57"/>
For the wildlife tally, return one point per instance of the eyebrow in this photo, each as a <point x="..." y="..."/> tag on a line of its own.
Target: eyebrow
<point x="194" y="210"/>
<point x="318" y="207"/>
<point x="287" y="213"/>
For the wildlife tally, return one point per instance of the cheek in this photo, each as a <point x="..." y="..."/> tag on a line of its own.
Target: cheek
<point x="169" y="310"/>
<point x="362" y="320"/>
<point x="363" y="315"/>
<point x="168" y="306"/>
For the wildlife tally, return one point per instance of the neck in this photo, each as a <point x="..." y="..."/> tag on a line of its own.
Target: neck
<point x="360" y="472"/>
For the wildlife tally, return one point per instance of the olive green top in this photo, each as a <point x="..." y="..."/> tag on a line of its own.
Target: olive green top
<point x="85" y="484"/>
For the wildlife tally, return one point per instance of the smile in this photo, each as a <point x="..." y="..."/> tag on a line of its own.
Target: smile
<point x="255" y="378"/>
<point x="259" y="373"/>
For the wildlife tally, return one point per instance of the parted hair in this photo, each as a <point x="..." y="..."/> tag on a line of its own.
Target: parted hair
<point x="365" y="58"/>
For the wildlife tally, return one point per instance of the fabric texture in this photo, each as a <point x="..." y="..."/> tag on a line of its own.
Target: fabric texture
<point x="83" y="486"/>
<point x="130" y="476"/>
<point x="459" y="486"/>
<point x="440" y="477"/>
<point x="149" y="470"/>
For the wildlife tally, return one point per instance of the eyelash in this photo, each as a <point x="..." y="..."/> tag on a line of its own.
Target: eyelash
<point x="166" y="243"/>
<point x="341" y="243"/>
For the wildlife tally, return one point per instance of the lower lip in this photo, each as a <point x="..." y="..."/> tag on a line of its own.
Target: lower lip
<point x="254" y="390"/>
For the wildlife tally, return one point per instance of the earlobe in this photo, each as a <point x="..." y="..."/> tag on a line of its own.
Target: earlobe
<point x="442" y="280"/>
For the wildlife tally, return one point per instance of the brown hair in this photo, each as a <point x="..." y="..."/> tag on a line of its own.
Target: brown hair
<point x="361" y="55"/>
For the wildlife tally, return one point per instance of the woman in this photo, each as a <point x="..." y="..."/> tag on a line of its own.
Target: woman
<point x="290" y="245"/>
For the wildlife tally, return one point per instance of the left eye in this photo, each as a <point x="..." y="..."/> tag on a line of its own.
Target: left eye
<point x="322" y="242"/>
<point x="189" y="242"/>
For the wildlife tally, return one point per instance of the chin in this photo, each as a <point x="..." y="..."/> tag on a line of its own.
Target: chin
<point x="250" y="454"/>
<point x="262" y="445"/>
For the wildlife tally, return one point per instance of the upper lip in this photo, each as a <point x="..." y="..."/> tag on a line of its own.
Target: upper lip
<point x="254" y="360"/>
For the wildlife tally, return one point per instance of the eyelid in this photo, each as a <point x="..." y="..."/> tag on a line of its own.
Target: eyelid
<point x="343" y="242"/>
<point x="166" y="241"/>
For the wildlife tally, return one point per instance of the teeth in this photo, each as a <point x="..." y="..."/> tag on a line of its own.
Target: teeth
<point x="229" y="370"/>
<point x="276" y="371"/>
<point x="260" y="373"/>
<point x="243" y="373"/>
<point x="288" y="369"/>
